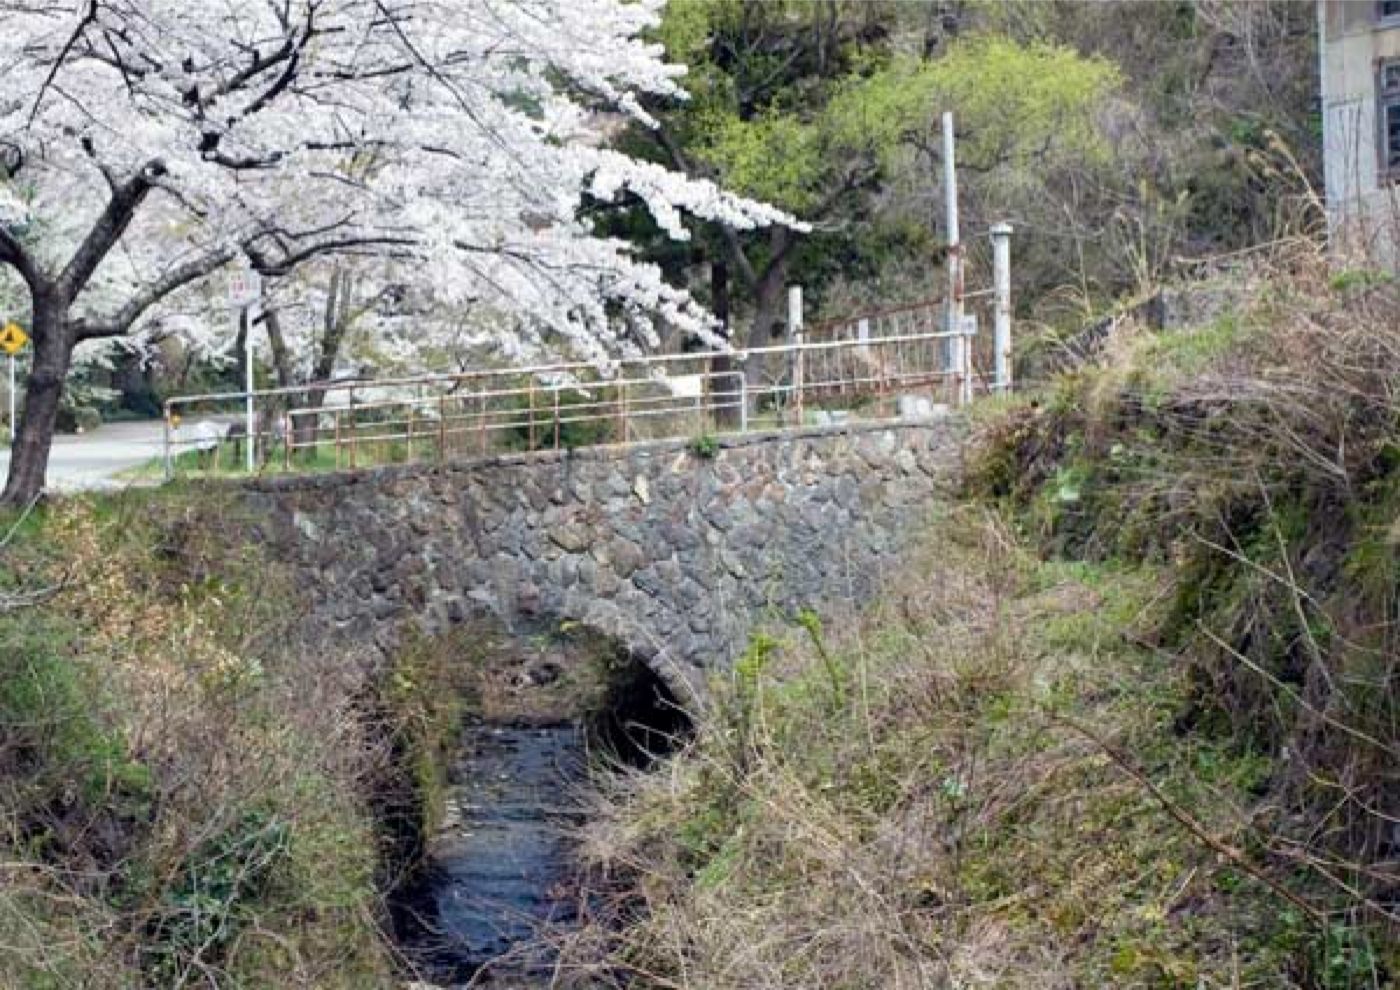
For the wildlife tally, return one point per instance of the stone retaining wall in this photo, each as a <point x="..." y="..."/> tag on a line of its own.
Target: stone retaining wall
<point x="673" y="553"/>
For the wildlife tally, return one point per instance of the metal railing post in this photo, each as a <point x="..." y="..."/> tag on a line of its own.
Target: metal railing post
<point x="354" y="431"/>
<point x="795" y="339"/>
<point x="169" y="459"/>
<point x="442" y="429"/>
<point x="959" y="356"/>
<point x="250" y="428"/>
<point x="1001" y="305"/>
<point x="534" y="440"/>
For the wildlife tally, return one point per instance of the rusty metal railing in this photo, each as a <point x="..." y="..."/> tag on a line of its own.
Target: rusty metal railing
<point x="842" y="370"/>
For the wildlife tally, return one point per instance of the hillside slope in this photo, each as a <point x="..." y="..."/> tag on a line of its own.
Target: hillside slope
<point x="1129" y="718"/>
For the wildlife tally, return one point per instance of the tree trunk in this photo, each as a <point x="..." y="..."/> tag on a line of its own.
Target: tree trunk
<point x="53" y="352"/>
<point x="335" y="323"/>
<point x="724" y="381"/>
<point x="303" y="427"/>
<point x="134" y="382"/>
<point x="768" y="323"/>
<point x="281" y="357"/>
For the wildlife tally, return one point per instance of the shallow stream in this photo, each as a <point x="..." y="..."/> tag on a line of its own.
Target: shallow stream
<point x="498" y="870"/>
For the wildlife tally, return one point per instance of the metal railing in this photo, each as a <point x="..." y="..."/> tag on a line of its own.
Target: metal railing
<point x="844" y="370"/>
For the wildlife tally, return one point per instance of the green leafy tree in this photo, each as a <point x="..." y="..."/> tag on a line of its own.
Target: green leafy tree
<point x="1115" y="136"/>
<point x="831" y="111"/>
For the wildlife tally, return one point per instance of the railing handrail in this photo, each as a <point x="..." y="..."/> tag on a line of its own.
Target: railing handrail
<point x="634" y="398"/>
<point x="429" y="400"/>
<point x="933" y="302"/>
<point x="648" y="360"/>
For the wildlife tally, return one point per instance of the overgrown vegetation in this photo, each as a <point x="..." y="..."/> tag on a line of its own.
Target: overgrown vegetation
<point x="191" y="793"/>
<point x="1258" y="456"/>
<point x="1129" y="719"/>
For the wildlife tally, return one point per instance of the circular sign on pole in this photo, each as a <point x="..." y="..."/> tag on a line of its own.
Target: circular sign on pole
<point x="244" y="288"/>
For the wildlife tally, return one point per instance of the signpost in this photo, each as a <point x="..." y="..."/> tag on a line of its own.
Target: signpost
<point x="244" y="293"/>
<point x="12" y="341"/>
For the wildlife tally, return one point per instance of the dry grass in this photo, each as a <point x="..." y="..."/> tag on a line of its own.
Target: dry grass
<point x="931" y="814"/>
<point x="183" y="780"/>
<point x="1164" y="757"/>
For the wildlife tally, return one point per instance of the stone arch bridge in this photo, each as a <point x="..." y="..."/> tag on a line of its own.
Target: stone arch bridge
<point x="672" y="550"/>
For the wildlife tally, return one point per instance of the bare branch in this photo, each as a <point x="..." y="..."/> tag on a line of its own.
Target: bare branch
<point x="126" y="199"/>
<point x="1191" y="825"/>
<point x="88" y="20"/>
<point x="341" y="245"/>
<point x="172" y="281"/>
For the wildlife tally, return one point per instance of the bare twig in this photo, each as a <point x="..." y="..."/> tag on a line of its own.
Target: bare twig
<point x="1193" y="826"/>
<point x="1294" y="696"/>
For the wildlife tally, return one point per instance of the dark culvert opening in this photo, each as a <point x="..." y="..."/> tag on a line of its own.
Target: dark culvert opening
<point x="639" y="719"/>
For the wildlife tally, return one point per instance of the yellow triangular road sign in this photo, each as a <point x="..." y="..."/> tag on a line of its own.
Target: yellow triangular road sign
<point x="12" y="338"/>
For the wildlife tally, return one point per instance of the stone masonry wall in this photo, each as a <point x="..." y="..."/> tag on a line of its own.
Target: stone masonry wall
<point x="671" y="553"/>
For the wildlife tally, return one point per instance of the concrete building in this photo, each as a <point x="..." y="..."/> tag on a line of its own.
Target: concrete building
<point x="1360" y="49"/>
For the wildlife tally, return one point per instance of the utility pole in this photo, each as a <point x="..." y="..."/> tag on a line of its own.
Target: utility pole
<point x="959" y="349"/>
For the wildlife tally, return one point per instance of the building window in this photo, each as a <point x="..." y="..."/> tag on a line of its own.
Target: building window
<point x="1389" y="86"/>
<point x="1388" y="12"/>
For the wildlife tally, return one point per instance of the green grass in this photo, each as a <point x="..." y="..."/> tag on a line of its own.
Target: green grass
<point x="168" y="803"/>
<point x="1190" y="351"/>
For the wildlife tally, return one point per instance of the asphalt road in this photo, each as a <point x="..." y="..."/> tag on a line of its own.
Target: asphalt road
<point x="93" y="460"/>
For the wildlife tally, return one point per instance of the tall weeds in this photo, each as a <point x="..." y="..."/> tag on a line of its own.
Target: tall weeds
<point x="182" y="777"/>
<point x="1127" y="719"/>
<point x="1268" y="473"/>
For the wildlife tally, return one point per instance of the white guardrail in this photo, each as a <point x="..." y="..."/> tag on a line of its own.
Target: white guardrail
<point x="896" y="362"/>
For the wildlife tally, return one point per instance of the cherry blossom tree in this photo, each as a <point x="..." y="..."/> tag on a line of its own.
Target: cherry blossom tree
<point x="147" y="144"/>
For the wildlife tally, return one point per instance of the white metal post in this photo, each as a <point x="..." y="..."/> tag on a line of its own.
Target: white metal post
<point x="959" y="351"/>
<point x="169" y="460"/>
<point x="13" y="427"/>
<point x="796" y="335"/>
<point x="1001" y="304"/>
<point x="244" y="294"/>
<point x="245" y="315"/>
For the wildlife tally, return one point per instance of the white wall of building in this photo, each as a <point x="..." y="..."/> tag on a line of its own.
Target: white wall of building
<point x="1363" y="203"/>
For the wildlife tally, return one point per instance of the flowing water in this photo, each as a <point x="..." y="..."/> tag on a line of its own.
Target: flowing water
<point x="498" y="869"/>
<point x="499" y="876"/>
